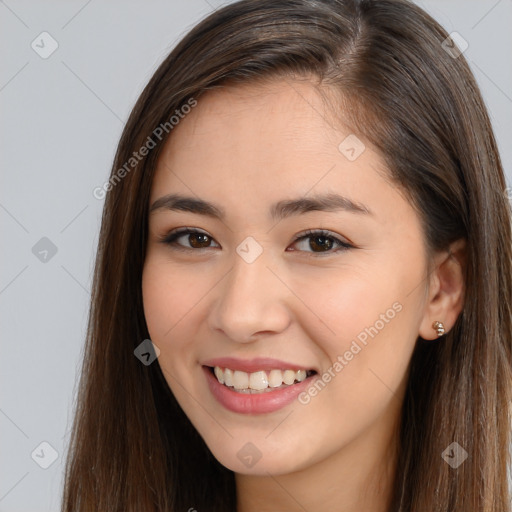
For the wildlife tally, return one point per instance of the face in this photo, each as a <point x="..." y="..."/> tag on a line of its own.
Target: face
<point x="301" y="284"/>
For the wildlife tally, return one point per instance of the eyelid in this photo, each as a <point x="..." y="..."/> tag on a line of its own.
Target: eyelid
<point x="323" y="232"/>
<point x="343" y="245"/>
<point x="172" y="235"/>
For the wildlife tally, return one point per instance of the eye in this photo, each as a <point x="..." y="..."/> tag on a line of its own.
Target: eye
<point x="321" y="242"/>
<point x="197" y="239"/>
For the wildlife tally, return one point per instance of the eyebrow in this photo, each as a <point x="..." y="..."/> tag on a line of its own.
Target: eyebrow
<point x="280" y="210"/>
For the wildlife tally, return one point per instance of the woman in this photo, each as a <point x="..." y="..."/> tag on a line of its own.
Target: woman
<point x="307" y="216"/>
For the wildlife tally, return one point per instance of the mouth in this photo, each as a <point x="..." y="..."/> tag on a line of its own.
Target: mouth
<point x="260" y="381"/>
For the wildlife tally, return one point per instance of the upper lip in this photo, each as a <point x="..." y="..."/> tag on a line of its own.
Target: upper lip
<point x="254" y="365"/>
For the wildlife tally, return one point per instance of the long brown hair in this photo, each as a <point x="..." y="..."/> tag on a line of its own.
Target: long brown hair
<point x="132" y="448"/>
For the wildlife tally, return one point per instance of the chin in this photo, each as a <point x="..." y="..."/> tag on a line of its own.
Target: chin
<point x="262" y="467"/>
<point x="260" y="458"/>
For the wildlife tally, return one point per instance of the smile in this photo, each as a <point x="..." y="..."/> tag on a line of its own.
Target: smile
<point x="256" y="391"/>
<point x="260" y="381"/>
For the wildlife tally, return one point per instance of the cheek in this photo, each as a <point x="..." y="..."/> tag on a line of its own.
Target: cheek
<point x="362" y="380"/>
<point x="169" y="293"/>
<point x="169" y="297"/>
<point x="366" y="329"/>
<point x="346" y="305"/>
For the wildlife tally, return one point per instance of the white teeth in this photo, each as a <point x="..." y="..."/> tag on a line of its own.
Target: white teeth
<point x="301" y="375"/>
<point x="240" y="380"/>
<point x="228" y="376"/>
<point x="219" y="374"/>
<point x="288" y="377"/>
<point x="258" y="381"/>
<point x="275" y="378"/>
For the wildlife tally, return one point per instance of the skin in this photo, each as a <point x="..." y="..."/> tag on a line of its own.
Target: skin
<point x="244" y="148"/>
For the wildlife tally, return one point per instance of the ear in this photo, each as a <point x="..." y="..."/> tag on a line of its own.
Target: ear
<point x="445" y="297"/>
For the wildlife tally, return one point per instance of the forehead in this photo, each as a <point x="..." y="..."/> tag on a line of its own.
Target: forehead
<point x="280" y="126"/>
<point x="283" y="107"/>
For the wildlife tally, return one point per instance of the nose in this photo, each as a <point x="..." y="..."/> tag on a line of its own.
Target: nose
<point x="250" y="302"/>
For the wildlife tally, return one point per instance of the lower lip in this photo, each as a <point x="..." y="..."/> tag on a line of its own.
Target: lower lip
<point x="258" y="403"/>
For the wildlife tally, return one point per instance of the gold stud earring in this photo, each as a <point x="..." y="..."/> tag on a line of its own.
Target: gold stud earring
<point x="439" y="327"/>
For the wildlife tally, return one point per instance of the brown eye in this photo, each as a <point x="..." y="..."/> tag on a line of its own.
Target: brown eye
<point x="321" y="242"/>
<point x="196" y="239"/>
<point x="199" y="240"/>
<point x="313" y="242"/>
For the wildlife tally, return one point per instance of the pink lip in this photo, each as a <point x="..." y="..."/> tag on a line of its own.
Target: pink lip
<point x="260" y="403"/>
<point x="253" y="365"/>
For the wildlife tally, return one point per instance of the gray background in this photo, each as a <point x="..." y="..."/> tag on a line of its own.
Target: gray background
<point x="61" y="120"/>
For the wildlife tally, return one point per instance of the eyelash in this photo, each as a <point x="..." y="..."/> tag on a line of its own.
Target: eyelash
<point x="170" y="239"/>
